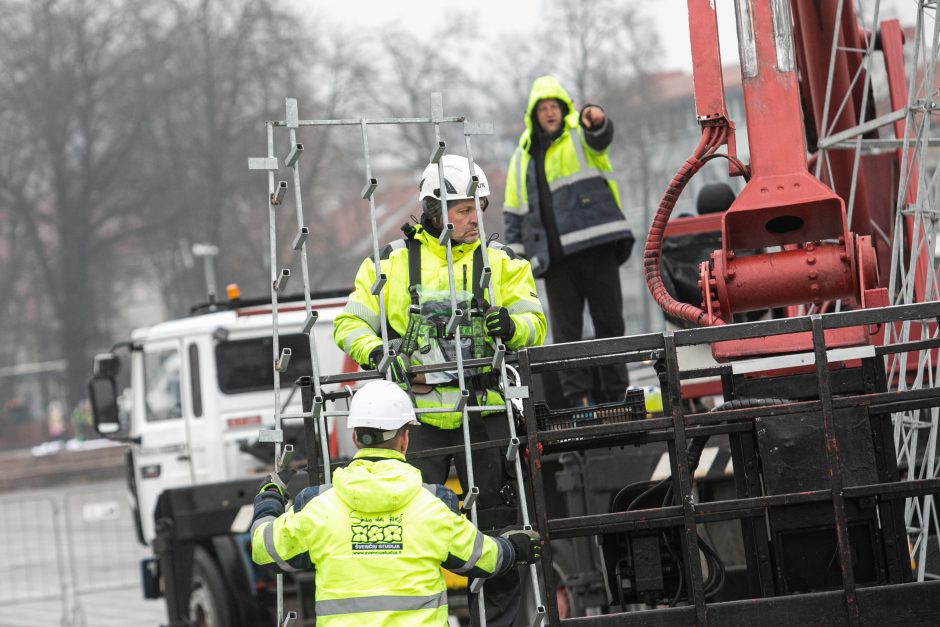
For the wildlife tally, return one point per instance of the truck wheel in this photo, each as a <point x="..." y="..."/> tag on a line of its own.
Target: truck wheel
<point x="209" y="603"/>
<point x="567" y="608"/>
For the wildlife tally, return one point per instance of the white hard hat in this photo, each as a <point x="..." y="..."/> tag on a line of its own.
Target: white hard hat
<point x="456" y="179"/>
<point x="381" y="405"/>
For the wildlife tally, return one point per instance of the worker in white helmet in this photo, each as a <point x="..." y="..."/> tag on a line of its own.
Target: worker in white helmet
<point x="417" y="296"/>
<point x="379" y="536"/>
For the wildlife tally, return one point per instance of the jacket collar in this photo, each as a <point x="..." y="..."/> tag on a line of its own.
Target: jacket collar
<point x="370" y="484"/>
<point x="433" y="246"/>
<point x="384" y="453"/>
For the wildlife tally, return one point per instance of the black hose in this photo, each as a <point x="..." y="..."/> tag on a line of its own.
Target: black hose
<point x="697" y="445"/>
<point x="716" y="567"/>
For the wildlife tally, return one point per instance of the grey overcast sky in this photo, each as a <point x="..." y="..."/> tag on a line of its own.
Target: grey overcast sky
<point x="511" y="17"/>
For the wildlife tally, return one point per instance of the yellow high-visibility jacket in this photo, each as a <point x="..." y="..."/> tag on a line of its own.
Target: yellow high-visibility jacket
<point x="584" y="193"/>
<point x="377" y="539"/>
<point x="356" y="330"/>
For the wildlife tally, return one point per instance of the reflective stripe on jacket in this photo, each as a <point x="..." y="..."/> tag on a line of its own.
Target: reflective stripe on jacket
<point x="584" y="194"/>
<point x="356" y="330"/>
<point x="378" y="540"/>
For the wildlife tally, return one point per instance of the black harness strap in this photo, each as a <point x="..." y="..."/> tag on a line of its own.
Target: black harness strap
<point x="414" y="268"/>
<point x="478" y="294"/>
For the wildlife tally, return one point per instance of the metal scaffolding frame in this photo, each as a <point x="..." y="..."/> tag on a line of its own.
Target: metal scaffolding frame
<point x="314" y="412"/>
<point x="914" y="267"/>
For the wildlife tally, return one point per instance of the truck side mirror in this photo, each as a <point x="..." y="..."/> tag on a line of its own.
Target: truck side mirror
<point x="106" y="365"/>
<point x="102" y="393"/>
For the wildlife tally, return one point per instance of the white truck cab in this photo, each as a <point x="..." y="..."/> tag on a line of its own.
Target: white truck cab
<point x="201" y="389"/>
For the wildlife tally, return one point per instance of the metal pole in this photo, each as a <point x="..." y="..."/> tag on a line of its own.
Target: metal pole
<point x="512" y="454"/>
<point x="300" y="243"/>
<point x="208" y="253"/>
<point x="278" y="437"/>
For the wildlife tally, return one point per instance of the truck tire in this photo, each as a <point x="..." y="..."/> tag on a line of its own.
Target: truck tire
<point x="568" y="606"/>
<point x="209" y="602"/>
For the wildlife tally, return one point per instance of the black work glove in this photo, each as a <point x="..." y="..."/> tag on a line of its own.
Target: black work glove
<point x="527" y="544"/>
<point x="498" y="323"/>
<point x="277" y="482"/>
<point x="396" y="365"/>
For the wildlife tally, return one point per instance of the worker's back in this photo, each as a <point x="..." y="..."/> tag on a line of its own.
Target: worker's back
<point x="377" y="539"/>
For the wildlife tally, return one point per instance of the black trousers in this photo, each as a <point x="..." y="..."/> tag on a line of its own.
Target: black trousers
<point x="592" y="275"/>
<point x="496" y="505"/>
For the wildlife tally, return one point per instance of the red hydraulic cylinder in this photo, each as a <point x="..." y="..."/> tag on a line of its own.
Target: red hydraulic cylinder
<point x="815" y="273"/>
<point x="706" y="61"/>
<point x="707" y="76"/>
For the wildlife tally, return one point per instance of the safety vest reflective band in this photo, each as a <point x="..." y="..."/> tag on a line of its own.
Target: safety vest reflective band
<point x="356" y="605"/>
<point x="361" y="311"/>
<point x="617" y="226"/>
<point x="530" y="338"/>
<point x="523" y="207"/>
<point x="474" y="555"/>
<point x="585" y="171"/>
<point x="260" y="522"/>
<point x="268" y="534"/>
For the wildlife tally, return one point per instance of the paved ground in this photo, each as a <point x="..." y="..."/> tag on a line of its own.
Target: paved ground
<point x="102" y="609"/>
<point x="71" y="558"/>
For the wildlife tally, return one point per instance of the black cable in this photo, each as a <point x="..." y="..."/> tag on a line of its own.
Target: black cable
<point x="716" y="568"/>
<point x="646" y="492"/>
<point x="615" y="503"/>
<point x="678" y="562"/>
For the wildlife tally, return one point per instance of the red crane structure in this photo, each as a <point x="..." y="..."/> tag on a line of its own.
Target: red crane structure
<point x="786" y="239"/>
<point x="830" y="404"/>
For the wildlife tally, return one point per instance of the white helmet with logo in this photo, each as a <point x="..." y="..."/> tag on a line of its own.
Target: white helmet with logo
<point x="456" y="179"/>
<point x="381" y="405"/>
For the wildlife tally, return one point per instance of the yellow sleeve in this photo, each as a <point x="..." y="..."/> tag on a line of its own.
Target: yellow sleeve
<point x="518" y="295"/>
<point x="510" y="197"/>
<point x="356" y="330"/>
<point x="472" y="553"/>
<point x="278" y="540"/>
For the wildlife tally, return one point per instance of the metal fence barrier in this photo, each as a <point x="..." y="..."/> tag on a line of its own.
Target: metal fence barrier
<point x="60" y="546"/>
<point x="28" y="574"/>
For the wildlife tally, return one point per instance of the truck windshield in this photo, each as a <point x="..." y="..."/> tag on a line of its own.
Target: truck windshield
<point x="248" y="365"/>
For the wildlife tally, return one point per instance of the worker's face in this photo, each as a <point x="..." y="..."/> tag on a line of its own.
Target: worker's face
<point x="548" y="115"/>
<point x="463" y="215"/>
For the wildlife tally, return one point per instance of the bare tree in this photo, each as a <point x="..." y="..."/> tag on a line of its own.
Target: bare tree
<point x="407" y="68"/>
<point x="597" y="44"/>
<point x="127" y="124"/>
<point x="235" y="62"/>
<point x="77" y="87"/>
